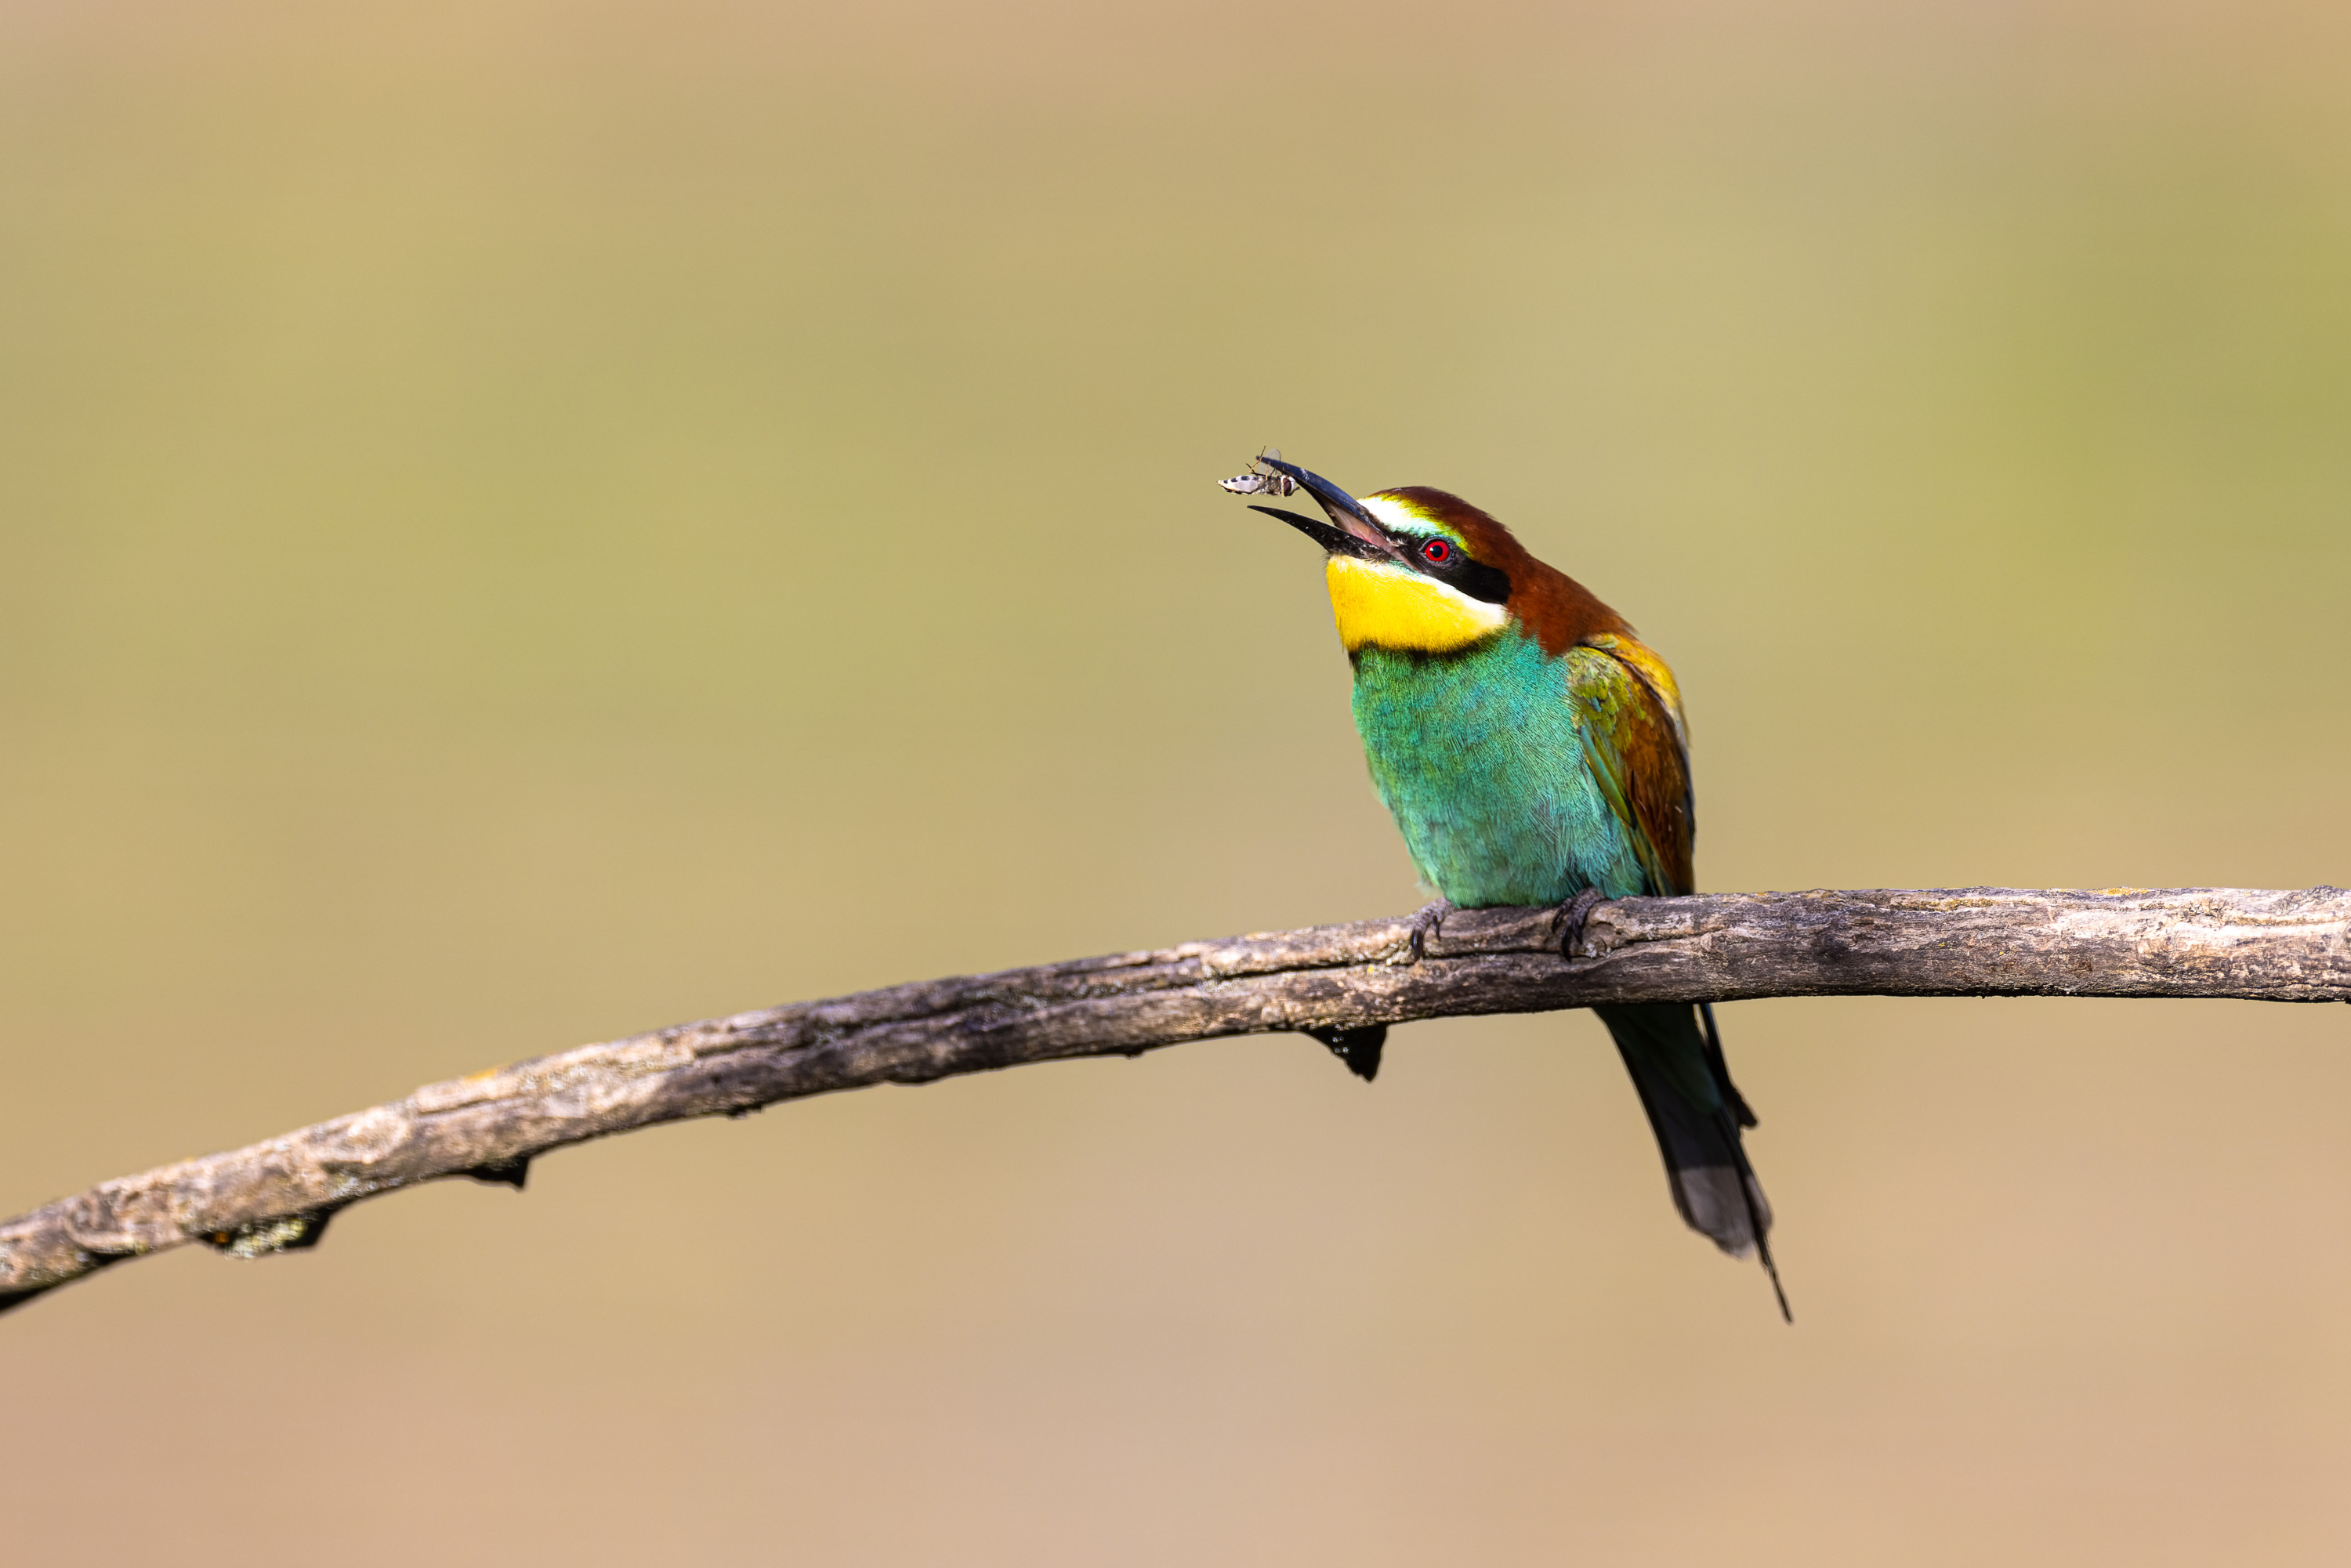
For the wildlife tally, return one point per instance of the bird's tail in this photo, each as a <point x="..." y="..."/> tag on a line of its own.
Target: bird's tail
<point x="1675" y="1058"/>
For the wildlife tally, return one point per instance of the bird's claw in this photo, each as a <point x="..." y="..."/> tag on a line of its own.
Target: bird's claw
<point x="1569" y="918"/>
<point x="1427" y="922"/>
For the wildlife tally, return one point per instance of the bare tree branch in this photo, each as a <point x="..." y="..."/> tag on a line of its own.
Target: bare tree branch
<point x="278" y="1195"/>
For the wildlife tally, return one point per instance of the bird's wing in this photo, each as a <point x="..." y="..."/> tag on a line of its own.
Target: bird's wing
<point x="1631" y="718"/>
<point x="1633" y="732"/>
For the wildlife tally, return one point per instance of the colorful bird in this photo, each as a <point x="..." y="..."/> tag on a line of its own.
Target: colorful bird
<point x="1533" y="751"/>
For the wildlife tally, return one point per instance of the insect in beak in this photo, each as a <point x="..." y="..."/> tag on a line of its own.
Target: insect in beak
<point x="1351" y="529"/>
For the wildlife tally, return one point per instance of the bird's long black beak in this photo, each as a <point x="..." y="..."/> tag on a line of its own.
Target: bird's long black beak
<point x="1338" y="541"/>
<point x="1351" y="529"/>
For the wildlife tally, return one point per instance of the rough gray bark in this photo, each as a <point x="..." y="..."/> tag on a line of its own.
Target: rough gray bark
<point x="278" y="1195"/>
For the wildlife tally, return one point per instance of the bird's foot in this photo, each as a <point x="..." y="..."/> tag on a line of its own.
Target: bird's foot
<point x="1426" y="923"/>
<point x="1568" y="920"/>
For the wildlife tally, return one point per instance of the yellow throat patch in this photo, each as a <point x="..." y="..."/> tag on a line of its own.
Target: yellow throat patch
<point x="1383" y="606"/>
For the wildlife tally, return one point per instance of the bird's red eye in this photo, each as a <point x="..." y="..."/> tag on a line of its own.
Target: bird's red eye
<point x="1437" y="552"/>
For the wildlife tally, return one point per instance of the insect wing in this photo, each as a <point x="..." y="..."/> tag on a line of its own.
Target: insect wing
<point x="1257" y="482"/>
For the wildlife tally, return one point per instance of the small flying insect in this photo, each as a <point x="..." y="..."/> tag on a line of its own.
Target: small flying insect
<point x="1258" y="481"/>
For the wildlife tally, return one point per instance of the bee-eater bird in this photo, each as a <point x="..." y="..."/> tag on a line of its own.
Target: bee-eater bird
<point x="1533" y="751"/>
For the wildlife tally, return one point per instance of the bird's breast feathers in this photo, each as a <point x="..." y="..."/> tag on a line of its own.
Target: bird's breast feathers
<point x="1383" y="606"/>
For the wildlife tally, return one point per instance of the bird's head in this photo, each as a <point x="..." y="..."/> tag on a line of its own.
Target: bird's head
<point x="1420" y="571"/>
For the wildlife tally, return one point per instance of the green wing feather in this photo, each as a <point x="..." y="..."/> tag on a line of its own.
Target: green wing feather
<point x="1637" y="744"/>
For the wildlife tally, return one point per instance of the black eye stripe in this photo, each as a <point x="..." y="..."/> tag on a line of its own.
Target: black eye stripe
<point x="1451" y="564"/>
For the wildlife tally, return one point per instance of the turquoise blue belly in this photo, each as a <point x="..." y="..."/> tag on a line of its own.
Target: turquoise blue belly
<point x="1479" y="757"/>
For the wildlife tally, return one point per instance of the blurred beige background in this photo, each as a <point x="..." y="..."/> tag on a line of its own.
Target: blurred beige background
<point x="525" y="523"/>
